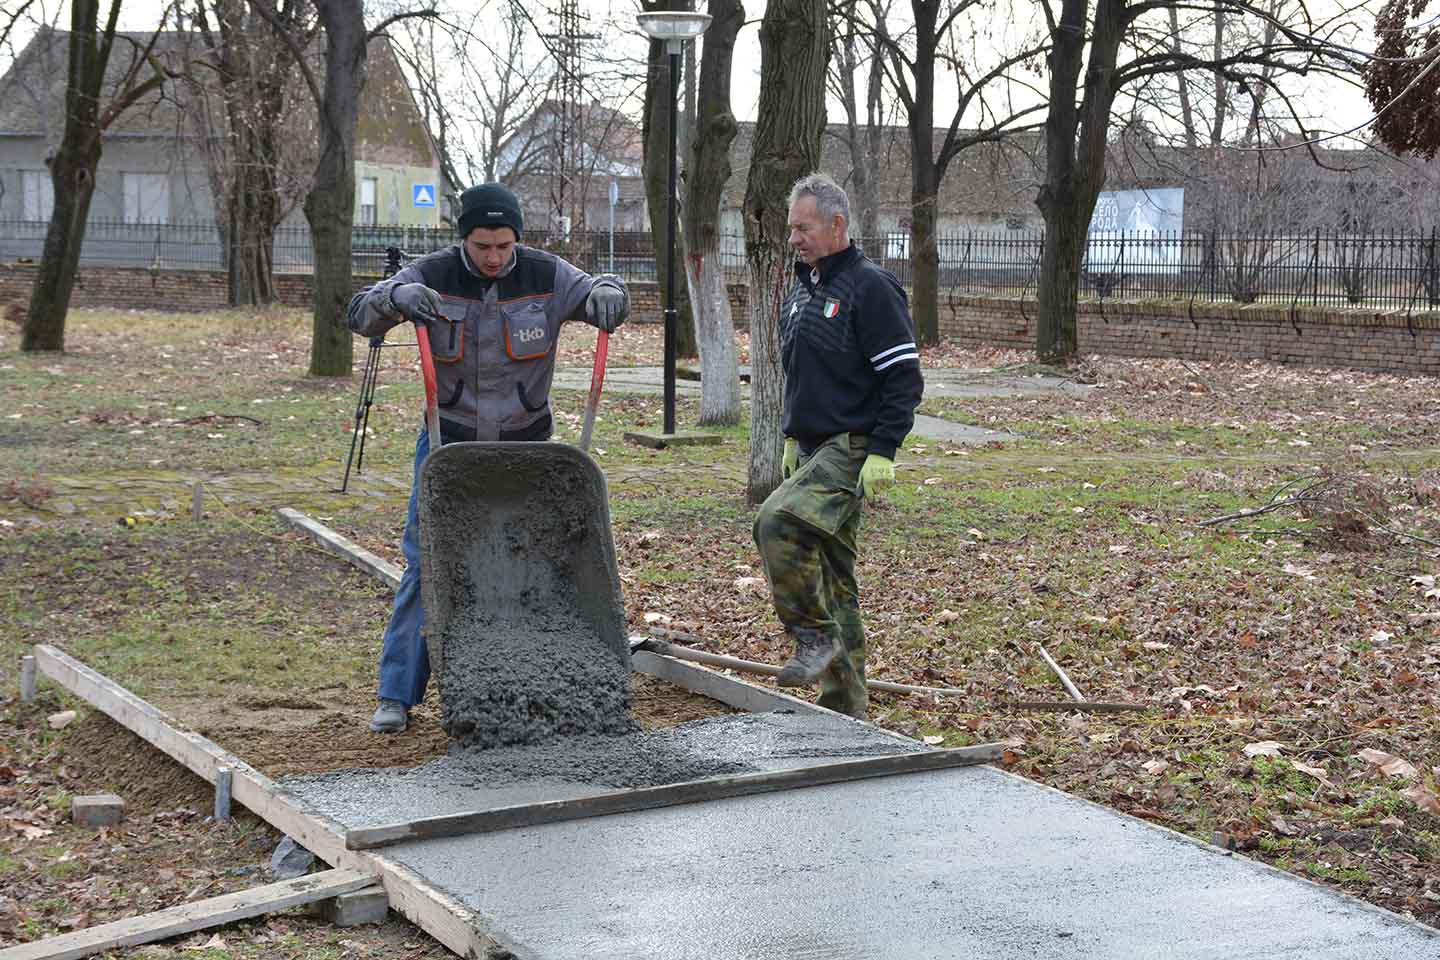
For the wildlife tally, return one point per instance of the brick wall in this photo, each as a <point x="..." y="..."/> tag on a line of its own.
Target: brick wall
<point x="1380" y="341"/>
<point x="1384" y="341"/>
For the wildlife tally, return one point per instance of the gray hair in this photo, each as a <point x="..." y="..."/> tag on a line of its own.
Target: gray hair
<point x="830" y="198"/>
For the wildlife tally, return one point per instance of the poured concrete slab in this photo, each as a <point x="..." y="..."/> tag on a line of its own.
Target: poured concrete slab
<point x="970" y="863"/>
<point x="575" y="767"/>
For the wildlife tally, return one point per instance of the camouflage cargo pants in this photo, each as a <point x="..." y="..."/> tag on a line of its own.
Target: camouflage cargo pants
<point x="806" y="534"/>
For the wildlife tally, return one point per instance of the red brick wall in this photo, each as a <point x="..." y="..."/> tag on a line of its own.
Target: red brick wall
<point x="1383" y="341"/>
<point x="1356" y="339"/>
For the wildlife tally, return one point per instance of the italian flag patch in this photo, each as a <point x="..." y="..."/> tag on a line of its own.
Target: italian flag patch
<point x="832" y="309"/>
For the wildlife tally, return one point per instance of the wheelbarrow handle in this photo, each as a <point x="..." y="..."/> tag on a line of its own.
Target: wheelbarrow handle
<point x="597" y="380"/>
<point x="427" y="374"/>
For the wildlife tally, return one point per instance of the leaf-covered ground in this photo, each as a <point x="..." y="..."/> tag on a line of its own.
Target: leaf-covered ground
<point x="1247" y="551"/>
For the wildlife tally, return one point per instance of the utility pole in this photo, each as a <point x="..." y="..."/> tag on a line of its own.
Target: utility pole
<point x="566" y="167"/>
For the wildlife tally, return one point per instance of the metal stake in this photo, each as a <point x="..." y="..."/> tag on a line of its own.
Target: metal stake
<point x="223" y="780"/>
<point x="27" y="679"/>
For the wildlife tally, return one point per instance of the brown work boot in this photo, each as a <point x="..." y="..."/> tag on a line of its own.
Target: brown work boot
<point x="814" y="652"/>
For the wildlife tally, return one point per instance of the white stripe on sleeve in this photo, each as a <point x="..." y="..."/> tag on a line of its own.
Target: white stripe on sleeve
<point x="885" y="353"/>
<point x="896" y="359"/>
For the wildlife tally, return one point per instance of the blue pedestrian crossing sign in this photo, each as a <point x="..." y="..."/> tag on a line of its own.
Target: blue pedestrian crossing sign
<point x="423" y="194"/>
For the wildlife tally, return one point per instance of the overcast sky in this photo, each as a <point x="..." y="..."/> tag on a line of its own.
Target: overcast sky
<point x="1339" y="105"/>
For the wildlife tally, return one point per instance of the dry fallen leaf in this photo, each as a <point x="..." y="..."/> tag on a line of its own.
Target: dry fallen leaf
<point x="933" y="740"/>
<point x="1424" y="798"/>
<point x="1319" y="773"/>
<point x="1305" y="573"/>
<point x="748" y="584"/>
<point x="1388" y="763"/>
<point x="1155" y="645"/>
<point x="1264" y="748"/>
<point x="61" y="720"/>
<point x="947" y="616"/>
<point x="652" y="617"/>
<point x="1155" y="767"/>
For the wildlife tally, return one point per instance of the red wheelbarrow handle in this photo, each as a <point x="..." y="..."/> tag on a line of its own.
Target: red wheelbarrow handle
<point x="597" y="380"/>
<point x="427" y="373"/>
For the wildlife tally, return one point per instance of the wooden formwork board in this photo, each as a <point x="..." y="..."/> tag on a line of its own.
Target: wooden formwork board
<point x="410" y="895"/>
<point x="190" y="917"/>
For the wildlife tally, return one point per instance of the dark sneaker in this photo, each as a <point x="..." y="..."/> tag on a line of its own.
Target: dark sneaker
<point x="391" y="716"/>
<point x="814" y="652"/>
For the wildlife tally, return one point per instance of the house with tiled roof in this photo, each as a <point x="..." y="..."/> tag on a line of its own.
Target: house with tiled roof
<point x="154" y="169"/>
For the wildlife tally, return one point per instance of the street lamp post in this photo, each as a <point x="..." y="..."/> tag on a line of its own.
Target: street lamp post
<point x="674" y="27"/>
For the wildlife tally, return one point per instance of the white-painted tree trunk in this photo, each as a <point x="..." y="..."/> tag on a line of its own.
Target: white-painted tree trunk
<point x="715" y="337"/>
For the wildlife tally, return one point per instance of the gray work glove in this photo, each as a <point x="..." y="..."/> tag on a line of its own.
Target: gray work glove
<point x="415" y="301"/>
<point x="607" y="304"/>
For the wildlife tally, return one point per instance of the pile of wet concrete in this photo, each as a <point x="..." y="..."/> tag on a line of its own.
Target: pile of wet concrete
<point x="526" y="631"/>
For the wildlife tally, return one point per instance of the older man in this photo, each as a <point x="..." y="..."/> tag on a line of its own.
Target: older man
<point x="493" y="308"/>
<point x="852" y="383"/>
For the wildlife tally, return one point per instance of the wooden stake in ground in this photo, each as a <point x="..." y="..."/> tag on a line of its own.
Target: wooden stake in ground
<point x="1065" y="681"/>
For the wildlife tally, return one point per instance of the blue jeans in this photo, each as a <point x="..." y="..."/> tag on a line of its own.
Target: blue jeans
<point x="404" y="659"/>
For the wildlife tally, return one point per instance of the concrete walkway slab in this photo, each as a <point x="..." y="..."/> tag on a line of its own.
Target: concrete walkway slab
<point x="972" y="864"/>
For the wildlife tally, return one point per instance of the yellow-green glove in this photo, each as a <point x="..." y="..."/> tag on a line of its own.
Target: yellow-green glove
<point x="877" y="474"/>
<point x="791" y="461"/>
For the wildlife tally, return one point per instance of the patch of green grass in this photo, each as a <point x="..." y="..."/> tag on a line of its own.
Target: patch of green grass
<point x="1338" y="874"/>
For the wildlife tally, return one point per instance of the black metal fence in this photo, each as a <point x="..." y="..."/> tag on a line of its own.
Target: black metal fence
<point x="1383" y="271"/>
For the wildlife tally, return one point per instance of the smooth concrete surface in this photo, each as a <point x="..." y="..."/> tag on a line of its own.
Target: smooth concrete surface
<point x="968" y="864"/>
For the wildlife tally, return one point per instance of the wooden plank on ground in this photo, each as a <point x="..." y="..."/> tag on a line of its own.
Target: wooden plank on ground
<point x="352" y="552"/>
<point x="434" y="911"/>
<point x="750" y="697"/>
<point x="189" y="917"/>
<point x="669" y="795"/>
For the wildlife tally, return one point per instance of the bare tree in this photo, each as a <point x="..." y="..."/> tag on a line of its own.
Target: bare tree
<point x="1086" y="74"/>
<point x="109" y="73"/>
<point x="705" y="177"/>
<point x="330" y="204"/>
<point x="984" y="80"/>
<point x="481" y="120"/>
<point x="256" y="156"/>
<point x="853" y="51"/>
<point x="794" y="45"/>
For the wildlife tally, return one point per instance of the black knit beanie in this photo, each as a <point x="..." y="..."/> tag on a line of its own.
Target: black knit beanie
<point x="490" y="205"/>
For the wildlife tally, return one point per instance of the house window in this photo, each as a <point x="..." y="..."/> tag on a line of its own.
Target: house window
<point x="368" y="209"/>
<point x="38" y="192"/>
<point x="147" y="198"/>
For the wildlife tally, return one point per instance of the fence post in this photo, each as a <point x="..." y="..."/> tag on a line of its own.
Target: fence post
<point x="1315" y="271"/>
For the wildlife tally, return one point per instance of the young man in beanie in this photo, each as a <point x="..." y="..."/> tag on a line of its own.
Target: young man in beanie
<point x="494" y="309"/>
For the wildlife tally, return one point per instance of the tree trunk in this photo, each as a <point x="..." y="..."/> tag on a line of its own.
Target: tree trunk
<point x="330" y="205"/>
<point x="709" y="169"/>
<point x="1187" y="113"/>
<point x="656" y="167"/>
<point x="924" y="179"/>
<point x="72" y="170"/>
<point x="1074" y="164"/>
<point x="73" y="174"/>
<point x="794" y="42"/>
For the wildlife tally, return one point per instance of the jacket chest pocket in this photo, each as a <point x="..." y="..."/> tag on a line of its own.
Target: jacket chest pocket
<point x="527" y="328"/>
<point x="447" y="333"/>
